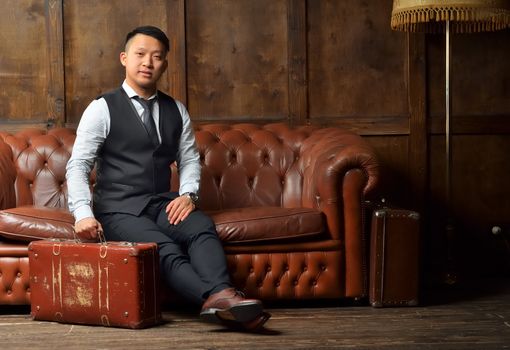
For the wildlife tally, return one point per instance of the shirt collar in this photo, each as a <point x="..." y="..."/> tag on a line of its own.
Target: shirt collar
<point x="131" y="93"/>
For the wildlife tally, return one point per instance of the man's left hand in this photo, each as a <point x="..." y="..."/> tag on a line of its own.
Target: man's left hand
<point x="179" y="209"/>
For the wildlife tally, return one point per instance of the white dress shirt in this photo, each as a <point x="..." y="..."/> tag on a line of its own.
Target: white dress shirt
<point x="92" y="131"/>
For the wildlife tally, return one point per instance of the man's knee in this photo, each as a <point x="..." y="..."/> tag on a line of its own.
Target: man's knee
<point x="197" y="221"/>
<point x="199" y="226"/>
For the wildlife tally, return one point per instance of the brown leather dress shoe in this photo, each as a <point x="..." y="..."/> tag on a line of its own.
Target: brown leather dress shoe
<point x="230" y="305"/>
<point x="254" y="326"/>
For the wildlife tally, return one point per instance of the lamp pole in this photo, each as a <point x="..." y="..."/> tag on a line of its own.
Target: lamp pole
<point x="451" y="273"/>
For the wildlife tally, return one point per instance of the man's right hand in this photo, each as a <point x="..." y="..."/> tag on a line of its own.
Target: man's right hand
<point x="87" y="228"/>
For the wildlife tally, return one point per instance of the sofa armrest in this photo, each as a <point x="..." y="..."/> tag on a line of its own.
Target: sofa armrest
<point x="7" y="177"/>
<point x="340" y="169"/>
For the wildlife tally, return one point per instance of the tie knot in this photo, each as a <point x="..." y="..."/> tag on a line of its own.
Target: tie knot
<point x="147" y="104"/>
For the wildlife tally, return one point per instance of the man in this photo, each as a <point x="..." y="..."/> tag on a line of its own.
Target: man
<point x="133" y="134"/>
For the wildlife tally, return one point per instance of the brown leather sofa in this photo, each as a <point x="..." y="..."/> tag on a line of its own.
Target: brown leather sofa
<point x="287" y="202"/>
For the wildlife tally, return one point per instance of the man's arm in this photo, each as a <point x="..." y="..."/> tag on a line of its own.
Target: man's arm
<point x="188" y="163"/>
<point x="90" y="135"/>
<point x="188" y="158"/>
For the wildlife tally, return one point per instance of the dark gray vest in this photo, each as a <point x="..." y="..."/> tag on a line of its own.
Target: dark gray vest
<point x="130" y="169"/>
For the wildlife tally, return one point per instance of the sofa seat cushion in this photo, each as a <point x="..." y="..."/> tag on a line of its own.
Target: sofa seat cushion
<point x="29" y="223"/>
<point x="261" y="224"/>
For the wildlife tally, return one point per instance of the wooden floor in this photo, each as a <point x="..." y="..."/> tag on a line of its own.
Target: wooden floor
<point x="463" y="318"/>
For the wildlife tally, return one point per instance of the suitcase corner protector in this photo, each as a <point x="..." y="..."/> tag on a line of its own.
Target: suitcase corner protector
<point x="376" y="303"/>
<point x="414" y="215"/>
<point x="380" y="213"/>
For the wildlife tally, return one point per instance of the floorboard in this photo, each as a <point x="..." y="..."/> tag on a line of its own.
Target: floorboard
<point x="473" y="318"/>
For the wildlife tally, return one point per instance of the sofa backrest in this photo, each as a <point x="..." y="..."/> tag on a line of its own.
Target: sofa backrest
<point x="243" y="165"/>
<point x="40" y="158"/>
<point x="246" y="165"/>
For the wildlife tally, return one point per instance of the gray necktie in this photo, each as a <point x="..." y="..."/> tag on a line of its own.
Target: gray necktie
<point x="147" y="119"/>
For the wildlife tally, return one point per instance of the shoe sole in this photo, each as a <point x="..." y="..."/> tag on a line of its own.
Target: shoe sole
<point x="258" y="324"/>
<point x="254" y="326"/>
<point x="238" y="313"/>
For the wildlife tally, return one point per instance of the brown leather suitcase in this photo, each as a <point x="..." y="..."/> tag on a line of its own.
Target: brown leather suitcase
<point x="394" y="258"/>
<point x="111" y="284"/>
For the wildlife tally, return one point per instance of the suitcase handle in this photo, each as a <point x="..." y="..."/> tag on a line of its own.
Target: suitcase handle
<point x="100" y="235"/>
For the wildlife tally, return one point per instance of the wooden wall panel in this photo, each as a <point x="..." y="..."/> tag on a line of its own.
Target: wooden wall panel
<point x="418" y="138"/>
<point x="357" y="65"/>
<point x="94" y="37"/>
<point x="56" y="88"/>
<point x="30" y="85"/>
<point x="176" y="84"/>
<point x="480" y="82"/>
<point x="298" y="62"/>
<point x="237" y="59"/>
<point x="392" y="152"/>
<point x="479" y="201"/>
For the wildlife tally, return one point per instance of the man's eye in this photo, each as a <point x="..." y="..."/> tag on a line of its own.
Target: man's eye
<point x="139" y="54"/>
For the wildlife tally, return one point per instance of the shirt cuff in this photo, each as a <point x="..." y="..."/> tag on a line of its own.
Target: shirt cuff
<point x="83" y="212"/>
<point x="187" y="189"/>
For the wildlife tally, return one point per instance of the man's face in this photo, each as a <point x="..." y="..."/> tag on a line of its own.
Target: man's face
<point x="145" y="62"/>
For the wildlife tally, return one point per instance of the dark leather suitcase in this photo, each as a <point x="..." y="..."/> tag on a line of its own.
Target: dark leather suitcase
<point x="394" y="258"/>
<point x="111" y="284"/>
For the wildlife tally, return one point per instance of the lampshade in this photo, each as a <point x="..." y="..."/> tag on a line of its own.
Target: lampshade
<point x="465" y="16"/>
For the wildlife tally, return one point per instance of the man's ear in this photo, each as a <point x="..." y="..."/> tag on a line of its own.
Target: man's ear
<point x="123" y="57"/>
<point x="165" y="66"/>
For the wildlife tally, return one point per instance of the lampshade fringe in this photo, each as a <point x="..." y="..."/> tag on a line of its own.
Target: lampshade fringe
<point x="462" y="19"/>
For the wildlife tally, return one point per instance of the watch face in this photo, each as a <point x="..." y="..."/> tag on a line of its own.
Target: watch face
<point x="194" y="197"/>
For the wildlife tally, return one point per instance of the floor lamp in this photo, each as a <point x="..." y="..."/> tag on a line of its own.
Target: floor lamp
<point x="449" y="16"/>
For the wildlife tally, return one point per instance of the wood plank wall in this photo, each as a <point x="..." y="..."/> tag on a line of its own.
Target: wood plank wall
<point x="324" y="62"/>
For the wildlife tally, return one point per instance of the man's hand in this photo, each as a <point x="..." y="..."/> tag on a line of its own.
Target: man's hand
<point x="87" y="228"/>
<point x="179" y="209"/>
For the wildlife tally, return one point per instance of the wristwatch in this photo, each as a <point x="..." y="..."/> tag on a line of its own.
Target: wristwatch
<point x="193" y="196"/>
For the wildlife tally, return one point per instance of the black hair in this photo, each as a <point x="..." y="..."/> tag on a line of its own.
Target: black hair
<point x="154" y="32"/>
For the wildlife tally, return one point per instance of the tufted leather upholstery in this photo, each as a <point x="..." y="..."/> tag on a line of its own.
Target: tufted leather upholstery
<point x="287" y="203"/>
<point x="14" y="276"/>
